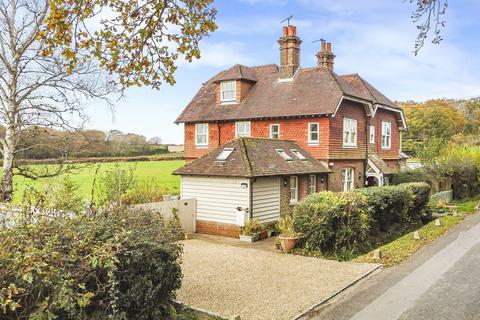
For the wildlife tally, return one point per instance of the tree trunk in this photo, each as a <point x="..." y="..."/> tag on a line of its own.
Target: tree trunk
<point x="8" y="163"/>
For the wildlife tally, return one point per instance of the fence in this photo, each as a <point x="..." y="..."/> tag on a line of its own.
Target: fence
<point x="446" y="196"/>
<point x="185" y="209"/>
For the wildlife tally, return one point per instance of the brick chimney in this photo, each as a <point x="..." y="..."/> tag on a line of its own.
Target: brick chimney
<point x="289" y="52"/>
<point x="326" y="57"/>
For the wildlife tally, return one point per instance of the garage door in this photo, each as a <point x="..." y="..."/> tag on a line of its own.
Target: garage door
<point x="217" y="198"/>
<point x="266" y="199"/>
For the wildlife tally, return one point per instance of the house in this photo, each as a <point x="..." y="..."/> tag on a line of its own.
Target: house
<point x="341" y="120"/>
<point x="267" y="175"/>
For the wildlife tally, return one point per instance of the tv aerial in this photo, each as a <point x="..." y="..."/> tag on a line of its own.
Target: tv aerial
<point x="287" y="19"/>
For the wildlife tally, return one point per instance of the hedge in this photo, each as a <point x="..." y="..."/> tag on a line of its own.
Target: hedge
<point x="114" y="265"/>
<point x="336" y="223"/>
<point x="332" y="222"/>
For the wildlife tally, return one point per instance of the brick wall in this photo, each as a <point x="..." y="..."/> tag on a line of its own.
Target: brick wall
<point x="350" y="110"/>
<point x="303" y="191"/>
<point x="290" y="129"/>
<point x="218" y="229"/>
<point x="335" y="178"/>
<point x="389" y="116"/>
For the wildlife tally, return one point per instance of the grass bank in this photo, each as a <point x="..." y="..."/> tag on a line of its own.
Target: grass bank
<point x="404" y="246"/>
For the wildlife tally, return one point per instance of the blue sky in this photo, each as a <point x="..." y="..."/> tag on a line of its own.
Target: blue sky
<point x="374" y="38"/>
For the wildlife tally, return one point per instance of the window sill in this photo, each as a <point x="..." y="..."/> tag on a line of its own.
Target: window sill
<point x="201" y="146"/>
<point x="313" y="143"/>
<point x="292" y="203"/>
<point x="349" y="146"/>
<point x="229" y="102"/>
<point x="385" y="148"/>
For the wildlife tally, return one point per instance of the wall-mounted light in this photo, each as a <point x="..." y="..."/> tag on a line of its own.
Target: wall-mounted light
<point x="285" y="181"/>
<point x="322" y="179"/>
<point x="359" y="176"/>
<point x="244" y="185"/>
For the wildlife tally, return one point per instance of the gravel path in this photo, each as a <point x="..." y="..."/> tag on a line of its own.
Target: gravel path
<point x="257" y="284"/>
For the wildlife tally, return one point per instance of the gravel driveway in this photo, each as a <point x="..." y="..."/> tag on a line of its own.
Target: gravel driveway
<point x="230" y="278"/>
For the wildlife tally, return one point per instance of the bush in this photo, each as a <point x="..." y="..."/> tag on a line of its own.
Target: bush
<point x="386" y="205"/>
<point x="332" y="223"/>
<point x="60" y="195"/>
<point x="421" y="196"/>
<point x="414" y="175"/>
<point x="117" y="265"/>
<point x="346" y="223"/>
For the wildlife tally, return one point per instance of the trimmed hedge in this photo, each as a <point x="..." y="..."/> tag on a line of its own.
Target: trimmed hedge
<point x="339" y="223"/>
<point x="332" y="222"/>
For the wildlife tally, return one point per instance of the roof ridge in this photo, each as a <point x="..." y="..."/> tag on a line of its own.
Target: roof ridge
<point x="368" y="89"/>
<point x="243" y="148"/>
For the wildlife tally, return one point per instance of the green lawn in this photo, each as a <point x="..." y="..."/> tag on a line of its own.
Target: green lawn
<point x="158" y="171"/>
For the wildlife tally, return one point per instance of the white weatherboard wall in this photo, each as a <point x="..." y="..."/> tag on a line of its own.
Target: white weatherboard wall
<point x="217" y="197"/>
<point x="266" y="199"/>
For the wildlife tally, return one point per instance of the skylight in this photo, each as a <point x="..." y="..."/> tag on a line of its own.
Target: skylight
<point x="226" y="152"/>
<point x="283" y="154"/>
<point x="298" y="154"/>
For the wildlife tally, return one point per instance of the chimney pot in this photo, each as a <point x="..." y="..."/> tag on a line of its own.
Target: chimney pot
<point x="325" y="57"/>
<point x="329" y="47"/>
<point x="324" y="46"/>
<point x="292" y="30"/>
<point x="289" y="52"/>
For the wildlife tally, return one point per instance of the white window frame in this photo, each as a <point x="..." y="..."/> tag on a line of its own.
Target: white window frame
<point x="386" y="135"/>
<point x="350" y="128"/>
<point x="310" y="132"/>
<point x="278" y="131"/>
<point x="372" y="134"/>
<point x="293" y="189"/>
<point x="312" y="183"/>
<point x="229" y="90"/>
<point x="245" y="133"/>
<point x="198" y="134"/>
<point x="349" y="184"/>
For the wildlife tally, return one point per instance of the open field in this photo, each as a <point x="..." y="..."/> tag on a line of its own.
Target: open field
<point x="158" y="171"/>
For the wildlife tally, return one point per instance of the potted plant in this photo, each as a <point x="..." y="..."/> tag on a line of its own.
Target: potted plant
<point x="441" y="206"/>
<point x="251" y="231"/>
<point x="288" y="236"/>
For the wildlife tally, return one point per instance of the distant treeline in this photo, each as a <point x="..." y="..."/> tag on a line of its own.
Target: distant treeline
<point x="43" y="143"/>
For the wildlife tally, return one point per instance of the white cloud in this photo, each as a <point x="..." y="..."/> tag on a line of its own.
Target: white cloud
<point x="223" y="54"/>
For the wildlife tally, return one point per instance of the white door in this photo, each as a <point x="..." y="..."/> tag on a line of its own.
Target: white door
<point x="217" y="197"/>
<point x="266" y="199"/>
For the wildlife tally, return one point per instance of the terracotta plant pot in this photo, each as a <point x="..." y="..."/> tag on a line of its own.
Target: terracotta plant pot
<point x="263" y="235"/>
<point x="288" y="243"/>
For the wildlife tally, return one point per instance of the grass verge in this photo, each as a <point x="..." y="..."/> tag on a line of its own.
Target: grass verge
<point x="400" y="249"/>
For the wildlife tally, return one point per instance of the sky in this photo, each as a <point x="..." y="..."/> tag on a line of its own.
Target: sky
<point x="374" y="38"/>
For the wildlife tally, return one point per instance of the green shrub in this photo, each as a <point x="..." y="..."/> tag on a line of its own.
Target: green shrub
<point x="333" y="223"/>
<point x="414" y="175"/>
<point x="386" y="205"/>
<point x="421" y="196"/>
<point x="57" y="194"/>
<point x="114" y="265"/>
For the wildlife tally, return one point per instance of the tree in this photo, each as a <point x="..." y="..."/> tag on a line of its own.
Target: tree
<point x="431" y="125"/>
<point x="155" y="141"/>
<point x="429" y="15"/>
<point x="56" y="54"/>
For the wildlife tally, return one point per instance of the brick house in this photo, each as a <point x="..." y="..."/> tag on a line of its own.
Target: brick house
<point x="250" y="178"/>
<point x="341" y="120"/>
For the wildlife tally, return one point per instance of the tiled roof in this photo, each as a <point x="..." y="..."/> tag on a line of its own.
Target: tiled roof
<point x="255" y="157"/>
<point x="313" y="91"/>
<point x="362" y="85"/>
<point x="380" y="164"/>
<point x="236" y="72"/>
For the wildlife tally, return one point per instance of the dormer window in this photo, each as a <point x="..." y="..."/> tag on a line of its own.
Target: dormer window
<point x="228" y="91"/>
